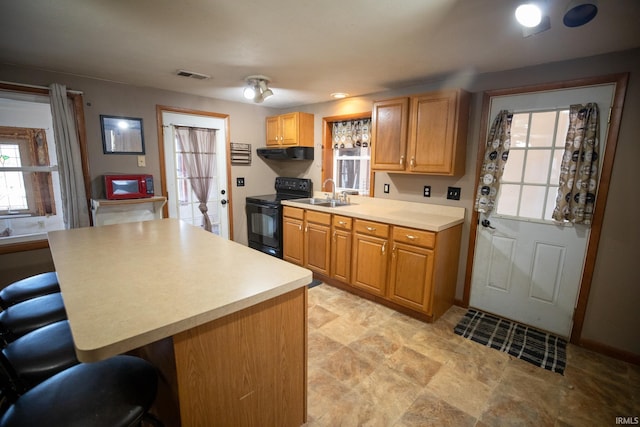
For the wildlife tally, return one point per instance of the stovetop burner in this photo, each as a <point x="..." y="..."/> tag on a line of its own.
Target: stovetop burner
<point x="286" y="189"/>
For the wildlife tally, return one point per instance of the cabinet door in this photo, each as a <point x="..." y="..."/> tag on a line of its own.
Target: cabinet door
<point x="289" y="129"/>
<point x="437" y="133"/>
<point x="273" y="131"/>
<point x="341" y="255"/>
<point x="410" y="283"/>
<point x="369" y="263"/>
<point x="293" y="240"/>
<point x="317" y="238"/>
<point x="389" y="134"/>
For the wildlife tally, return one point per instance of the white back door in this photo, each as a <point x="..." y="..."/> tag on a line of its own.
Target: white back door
<point x="526" y="267"/>
<point x="182" y="203"/>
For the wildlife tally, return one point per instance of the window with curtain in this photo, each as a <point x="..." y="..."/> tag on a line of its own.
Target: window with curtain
<point x="352" y="155"/>
<point x="30" y="195"/>
<point x="529" y="183"/>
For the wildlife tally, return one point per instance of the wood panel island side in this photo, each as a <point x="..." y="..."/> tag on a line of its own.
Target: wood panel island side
<point x="226" y="325"/>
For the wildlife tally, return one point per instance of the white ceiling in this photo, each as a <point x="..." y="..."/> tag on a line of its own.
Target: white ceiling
<point x="309" y="48"/>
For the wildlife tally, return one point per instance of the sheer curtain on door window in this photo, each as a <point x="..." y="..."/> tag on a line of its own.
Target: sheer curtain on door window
<point x="197" y="150"/>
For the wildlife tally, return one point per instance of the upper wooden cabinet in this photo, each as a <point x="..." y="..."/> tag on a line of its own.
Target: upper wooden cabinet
<point x="291" y="129"/>
<point x="424" y="133"/>
<point x="389" y="134"/>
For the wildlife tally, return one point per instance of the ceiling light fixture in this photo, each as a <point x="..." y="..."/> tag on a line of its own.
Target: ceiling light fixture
<point x="529" y="14"/>
<point x="257" y="89"/>
<point x="339" y="95"/>
<point x="580" y="12"/>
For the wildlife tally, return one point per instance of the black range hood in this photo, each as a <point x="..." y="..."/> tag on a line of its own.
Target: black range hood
<point x="289" y="153"/>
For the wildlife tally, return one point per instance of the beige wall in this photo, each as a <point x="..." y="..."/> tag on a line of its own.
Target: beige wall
<point x="612" y="311"/>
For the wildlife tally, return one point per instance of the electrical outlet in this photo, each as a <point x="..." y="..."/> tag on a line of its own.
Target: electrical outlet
<point x="239" y="182"/>
<point x="453" y="193"/>
<point x="141" y="162"/>
<point x="386" y="188"/>
<point x="427" y="191"/>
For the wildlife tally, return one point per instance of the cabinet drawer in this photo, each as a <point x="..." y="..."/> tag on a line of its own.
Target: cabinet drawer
<point x="372" y="228"/>
<point x="290" y="212"/>
<point x="319" y="217"/>
<point x="343" y="222"/>
<point x="425" y="239"/>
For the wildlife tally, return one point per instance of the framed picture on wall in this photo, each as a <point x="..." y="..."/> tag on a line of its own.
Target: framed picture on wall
<point x="121" y="135"/>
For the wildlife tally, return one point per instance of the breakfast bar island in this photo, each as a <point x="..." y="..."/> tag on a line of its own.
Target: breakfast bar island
<point x="225" y="324"/>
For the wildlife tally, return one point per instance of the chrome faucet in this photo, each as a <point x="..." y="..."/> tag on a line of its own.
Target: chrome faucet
<point x="333" y="193"/>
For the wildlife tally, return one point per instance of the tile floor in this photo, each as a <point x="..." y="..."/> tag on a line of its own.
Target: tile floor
<point x="372" y="366"/>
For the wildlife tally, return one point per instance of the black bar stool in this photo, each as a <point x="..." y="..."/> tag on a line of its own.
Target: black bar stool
<point x="115" y="392"/>
<point x="26" y="316"/>
<point x="31" y="287"/>
<point x="38" y="355"/>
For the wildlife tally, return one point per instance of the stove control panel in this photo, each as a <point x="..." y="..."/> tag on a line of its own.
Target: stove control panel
<point x="294" y="185"/>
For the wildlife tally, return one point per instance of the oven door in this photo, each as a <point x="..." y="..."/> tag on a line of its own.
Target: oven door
<point x="264" y="225"/>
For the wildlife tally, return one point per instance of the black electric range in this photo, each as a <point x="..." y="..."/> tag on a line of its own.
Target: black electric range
<point x="264" y="213"/>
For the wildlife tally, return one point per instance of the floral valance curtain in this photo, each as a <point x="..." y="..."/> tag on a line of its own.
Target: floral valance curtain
<point x="579" y="169"/>
<point x="197" y="148"/>
<point x="495" y="158"/>
<point x="351" y="133"/>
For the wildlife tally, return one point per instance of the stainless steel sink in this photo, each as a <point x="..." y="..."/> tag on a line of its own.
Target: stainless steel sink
<point x="330" y="203"/>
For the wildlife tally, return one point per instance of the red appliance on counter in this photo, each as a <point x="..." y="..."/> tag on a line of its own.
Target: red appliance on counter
<point x="118" y="187"/>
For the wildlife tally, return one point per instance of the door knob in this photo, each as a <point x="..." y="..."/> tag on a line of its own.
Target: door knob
<point x="223" y="201"/>
<point x="487" y="223"/>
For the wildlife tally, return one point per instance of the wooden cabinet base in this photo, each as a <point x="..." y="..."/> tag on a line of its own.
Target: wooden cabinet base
<point x="245" y="369"/>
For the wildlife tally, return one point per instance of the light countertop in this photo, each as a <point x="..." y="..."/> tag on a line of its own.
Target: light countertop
<point x="422" y="216"/>
<point x="127" y="285"/>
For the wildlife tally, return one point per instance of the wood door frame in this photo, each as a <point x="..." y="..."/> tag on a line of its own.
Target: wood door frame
<point x="621" y="81"/>
<point x="163" y="176"/>
<point x="327" y="146"/>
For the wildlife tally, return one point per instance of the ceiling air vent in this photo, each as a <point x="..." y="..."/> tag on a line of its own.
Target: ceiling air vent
<point x="193" y="75"/>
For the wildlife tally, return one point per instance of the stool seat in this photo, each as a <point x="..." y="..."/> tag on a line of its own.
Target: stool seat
<point x="115" y="392"/>
<point x="31" y="287"/>
<point x="40" y="354"/>
<point x="26" y="316"/>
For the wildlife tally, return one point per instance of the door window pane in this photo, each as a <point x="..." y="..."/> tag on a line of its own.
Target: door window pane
<point x="519" y="130"/>
<point x="537" y="167"/>
<point x="532" y="201"/>
<point x="508" y="199"/>
<point x="514" y="166"/>
<point x="542" y="129"/>
<point x="563" y="127"/>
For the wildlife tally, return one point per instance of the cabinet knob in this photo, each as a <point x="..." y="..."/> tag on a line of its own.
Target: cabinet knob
<point x="401" y="160"/>
<point x="410" y="237"/>
<point x="384" y="247"/>
<point x="342" y="222"/>
<point x="413" y="162"/>
<point x="300" y="227"/>
<point x="372" y="229"/>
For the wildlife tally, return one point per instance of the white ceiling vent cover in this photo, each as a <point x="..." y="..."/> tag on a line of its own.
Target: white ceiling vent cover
<point x="192" y="74"/>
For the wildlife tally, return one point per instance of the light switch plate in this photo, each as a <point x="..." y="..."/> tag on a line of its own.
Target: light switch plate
<point x="142" y="162"/>
<point x="240" y="182"/>
<point x="386" y="188"/>
<point x="453" y="193"/>
<point x="427" y="191"/>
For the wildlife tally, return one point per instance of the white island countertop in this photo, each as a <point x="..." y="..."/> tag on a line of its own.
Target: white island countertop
<point x="128" y="285"/>
<point x="422" y="216"/>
